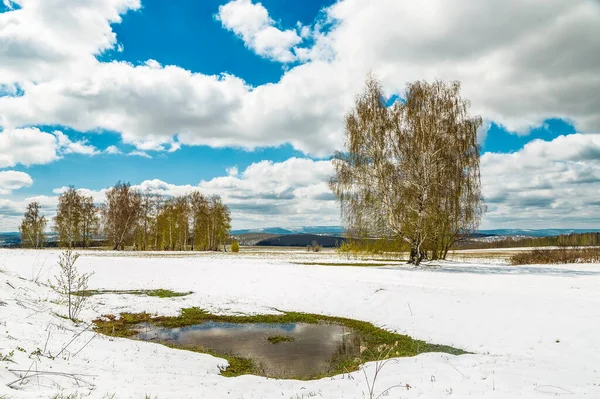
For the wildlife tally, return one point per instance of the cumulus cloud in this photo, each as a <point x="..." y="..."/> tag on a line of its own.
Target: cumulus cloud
<point x="113" y="150"/>
<point x="28" y="146"/>
<point x="545" y="184"/>
<point x="31" y="146"/>
<point x="43" y="39"/>
<point x="216" y="111"/>
<point x="232" y="171"/>
<point x="13" y="180"/>
<point x="66" y="146"/>
<point x="520" y="63"/>
<point x="251" y="22"/>
<point x="137" y="153"/>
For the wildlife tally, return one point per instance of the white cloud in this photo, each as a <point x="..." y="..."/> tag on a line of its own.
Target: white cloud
<point x="13" y="180"/>
<point x="44" y="39"/>
<point x="232" y="171"/>
<point x="28" y="146"/>
<point x="545" y="184"/>
<point x="137" y="153"/>
<point x="113" y="150"/>
<point x="149" y="104"/>
<point x="520" y="62"/>
<point x="31" y="146"/>
<point x="66" y="146"/>
<point x="251" y="22"/>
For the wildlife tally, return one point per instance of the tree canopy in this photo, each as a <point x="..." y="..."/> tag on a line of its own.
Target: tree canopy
<point x="410" y="170"/>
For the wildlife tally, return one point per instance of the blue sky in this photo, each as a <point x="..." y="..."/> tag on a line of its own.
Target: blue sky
<point x="232" y="97"/>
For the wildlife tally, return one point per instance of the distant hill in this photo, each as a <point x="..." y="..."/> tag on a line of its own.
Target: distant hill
<point x="267" y="230"/>
<point x="534" y="232"/>
<point x="251" y="238"/>
<point x="11" y="239"/>
<point x="319" y="230"/>
<point x="301" y="240"/>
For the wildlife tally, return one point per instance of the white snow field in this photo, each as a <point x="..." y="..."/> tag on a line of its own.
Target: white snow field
<point x="534" y="330"/>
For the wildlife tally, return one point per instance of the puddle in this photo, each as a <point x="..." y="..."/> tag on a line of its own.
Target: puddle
<point x="306" y="351"/>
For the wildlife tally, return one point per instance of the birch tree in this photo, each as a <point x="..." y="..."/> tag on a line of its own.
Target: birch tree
<point x="76" y="219"/>
<point x="89" y="220"/>
<point x="68" y="219"/>
<point x="411" y="170"/>
<point x="121" y="213"/>
<point x="32" y="226"/>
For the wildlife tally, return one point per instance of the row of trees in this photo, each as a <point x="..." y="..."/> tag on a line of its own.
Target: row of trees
<point x="591" y="239"/>
<point x="128" y="217"/>
<point x="410" y="171"/>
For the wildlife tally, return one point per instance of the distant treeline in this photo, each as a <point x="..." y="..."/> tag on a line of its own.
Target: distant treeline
<point x="131" y="218"/>
<point x="571" y="240"/>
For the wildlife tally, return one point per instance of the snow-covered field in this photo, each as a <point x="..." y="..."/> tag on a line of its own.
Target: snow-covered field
<point x="535" y="330"/>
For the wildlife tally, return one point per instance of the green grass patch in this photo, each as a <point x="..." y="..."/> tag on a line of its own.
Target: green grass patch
<point x="277" y="339"/>
<point x="158" y="293"/>
<point x="377" y="343"/>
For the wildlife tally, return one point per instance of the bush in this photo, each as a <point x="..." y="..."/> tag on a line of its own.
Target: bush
<point x="562" y="255"/>
<point x="69" y="283"/>
<point x="235" y="247"/>
<point x="315" y="247"/>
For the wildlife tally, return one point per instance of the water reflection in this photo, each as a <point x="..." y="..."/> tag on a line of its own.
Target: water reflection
<point x="309" y="354"/>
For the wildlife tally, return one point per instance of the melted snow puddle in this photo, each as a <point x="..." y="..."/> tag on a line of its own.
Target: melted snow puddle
<point x="307" y="350"/>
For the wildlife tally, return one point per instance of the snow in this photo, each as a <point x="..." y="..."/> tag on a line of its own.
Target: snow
<point x="533" y="329"/>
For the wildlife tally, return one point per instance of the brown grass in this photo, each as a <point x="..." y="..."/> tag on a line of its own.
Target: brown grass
<point x="557" y="256"/>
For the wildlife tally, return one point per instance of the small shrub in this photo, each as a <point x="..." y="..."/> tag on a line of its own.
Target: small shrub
<point x="235" y="247"/>
<point x="315" y="247"/>
<point x="69" y="282"/>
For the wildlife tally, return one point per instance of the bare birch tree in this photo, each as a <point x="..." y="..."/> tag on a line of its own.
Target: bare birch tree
<point x="68" y="219"/>
<point x="89" y="220"/>
<point x="33" y="225"/>
<point x="411" y="170"/>
<point x="121" y="213"/>
<point x="76" y="219"/>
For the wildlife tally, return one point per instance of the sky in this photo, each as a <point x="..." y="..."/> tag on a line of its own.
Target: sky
<point x="246" y="99"/>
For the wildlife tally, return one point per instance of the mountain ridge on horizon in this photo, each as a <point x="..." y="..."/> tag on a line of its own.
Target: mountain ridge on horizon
<point x="340" y="229"/>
